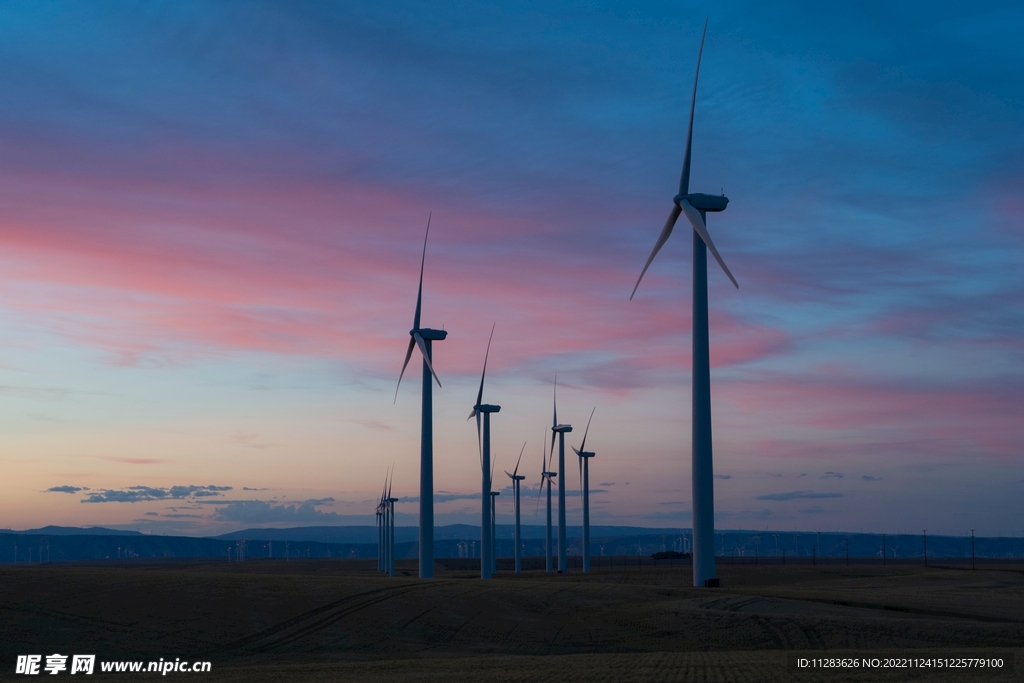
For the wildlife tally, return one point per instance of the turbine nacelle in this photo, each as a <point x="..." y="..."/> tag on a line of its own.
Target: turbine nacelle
<point x="485" y="408"/>
<point x="429" y="334"/>
<point x="564" y="429"/>
<point x="703" y="202"/>
<point x="584" y="454"/>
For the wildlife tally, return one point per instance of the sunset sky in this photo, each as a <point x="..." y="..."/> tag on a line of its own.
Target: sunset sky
<point x="211" y="218"/>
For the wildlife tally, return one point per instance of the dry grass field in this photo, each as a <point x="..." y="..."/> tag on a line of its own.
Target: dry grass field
<point x="341" y="621"/>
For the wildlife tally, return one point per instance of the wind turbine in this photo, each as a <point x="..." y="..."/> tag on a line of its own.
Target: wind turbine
<point x="494" y="529"/>
<point x="696" y="206"/>
<point x="381" y="540"/>
<point x="484" y="443"/>
<point x="585" y="457"/>
<point x="391" y="530"/>
<point x="546" y="476"/>
<point x="423" y="337"/>
<point x="516" y="478"/>
<point x="560" y="431"/>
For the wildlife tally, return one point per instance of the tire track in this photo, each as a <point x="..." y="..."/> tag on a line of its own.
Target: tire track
<point x="317" y="619"/>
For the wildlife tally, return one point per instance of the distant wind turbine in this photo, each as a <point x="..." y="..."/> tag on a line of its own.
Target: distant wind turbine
<point x="391" y="530"/>
<point x="545" y="476"/>
<point x="696" y="206"/>
<point x="494" y="529"/>
<point x="585" y="457"/>
<point x="381" y="540"/>
<point x="483" y="438"/>
<point x="560" y="431"/>
<point x="423" y="337"/>
<point x="516" y="478"/>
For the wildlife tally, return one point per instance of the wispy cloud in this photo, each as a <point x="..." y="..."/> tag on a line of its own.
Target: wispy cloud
<point x="793" y="495"/>
<point x="264" y="512"/>
<point x="66" y="489"/>
<point x="136" y="494"/>
<point x="134" y="461"/>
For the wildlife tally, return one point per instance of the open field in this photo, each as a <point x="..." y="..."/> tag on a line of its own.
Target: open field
<point x="340" y="620"/>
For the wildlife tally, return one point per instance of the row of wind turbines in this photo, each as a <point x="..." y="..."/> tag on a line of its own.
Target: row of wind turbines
<point x="488" y="564"/>
<point x="695" y="206"/>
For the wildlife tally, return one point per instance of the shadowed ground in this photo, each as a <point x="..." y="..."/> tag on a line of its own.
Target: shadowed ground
<point x="340" y="620"/>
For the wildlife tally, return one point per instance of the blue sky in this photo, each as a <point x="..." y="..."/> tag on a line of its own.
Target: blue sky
<point x="210" y="219"/>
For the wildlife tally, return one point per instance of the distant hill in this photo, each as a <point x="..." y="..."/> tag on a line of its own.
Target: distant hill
<point x="72" y="531"/>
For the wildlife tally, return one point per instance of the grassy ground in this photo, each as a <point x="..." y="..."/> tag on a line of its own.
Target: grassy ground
<point x="339" y="620"/>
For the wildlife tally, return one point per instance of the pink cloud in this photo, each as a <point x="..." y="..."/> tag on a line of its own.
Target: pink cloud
<point x="967" y="417"/>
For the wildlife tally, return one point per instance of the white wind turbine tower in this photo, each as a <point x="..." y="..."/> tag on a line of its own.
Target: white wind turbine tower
<point x="696" y="206"/>
<point x="423" y="338"/>
<point x="560" y="431"/>
<point x="494" y="530"/>
<point x="380" y="527"/>
<point x="516" y="478"/>
<point x="391" y="531"/>
<point x="386" y="519"/>
<point x="546" y="476"/>
<point x="483" y="437"/>
<point x="585" y="457"/>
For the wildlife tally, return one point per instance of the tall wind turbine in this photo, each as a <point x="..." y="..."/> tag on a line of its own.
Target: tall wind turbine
<point x="585" y="457"/>
<point x="484" y="443"/>
<point x="696" y="206"/>
<point x="380" y="529"/>
<point x="386" y="523"/>
<point x="546" y="476"/>
<point x="516" y="478"/>
<point x="494" y="530"/>
<point x="423" y="337"/>
<point x="391" y="531"/>
<point x="560" y="431"/>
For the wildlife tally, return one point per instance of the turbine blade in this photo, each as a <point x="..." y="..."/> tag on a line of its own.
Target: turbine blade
<point x="554" y="403"/>
<point x="662" y="238"/>
<point x="479" y="442"/>
<point x="544" y="456"/>
<point x="426" y="357"/>
<point x="693" y="215"/>
<point x="472" y="414"/>
<point x="419" y="293"/>
<point x="577" y="451"/>
<point x="494" y="466"/>
<point x="583" y="446"/>
<point x="408" y="355"/>
<point x="521" y="451"/>
<point x="684" y="178"/>
<point x="480" y="394"/>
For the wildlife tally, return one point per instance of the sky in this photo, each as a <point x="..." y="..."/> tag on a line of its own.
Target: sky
<point x="211" y="218"/>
